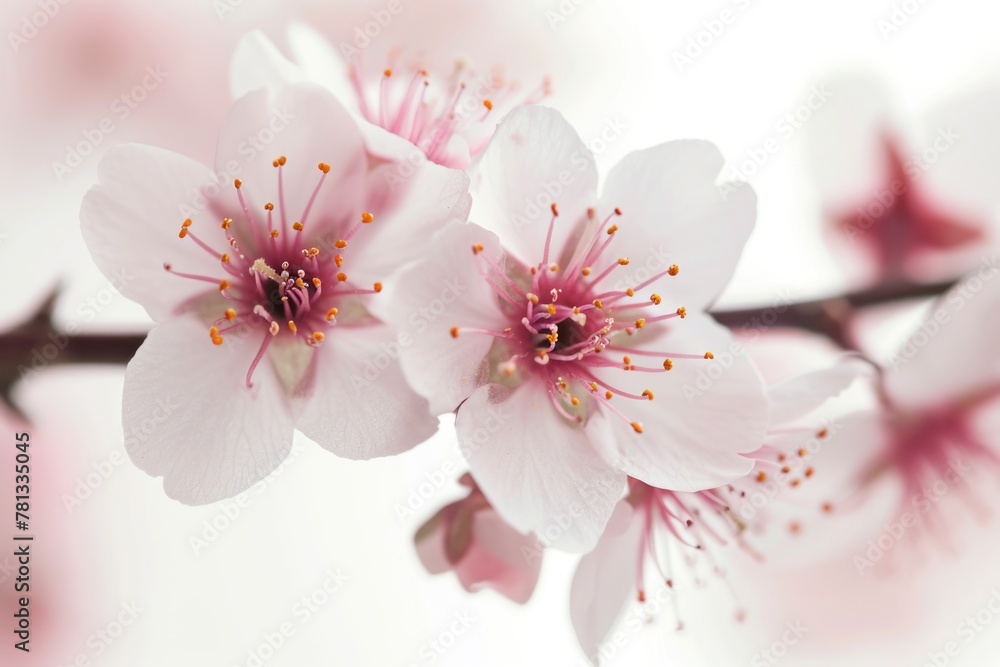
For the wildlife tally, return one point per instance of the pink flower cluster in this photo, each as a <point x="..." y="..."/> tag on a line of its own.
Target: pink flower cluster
<point x="600" y="408"/>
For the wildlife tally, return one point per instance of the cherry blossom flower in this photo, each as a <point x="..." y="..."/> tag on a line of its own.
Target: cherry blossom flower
<point x="262" y="289"/>
<point x="469" y="537"/>
<point x="448" y="116"/>
<point x="905" y="203"/>
<point x="564" y="381"/>
<point x="653" y="530"/>
<point x="933" y="433"/>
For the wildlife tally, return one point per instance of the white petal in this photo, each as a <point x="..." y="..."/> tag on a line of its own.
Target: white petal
<point x="307" y="125"/>
<point x="798" y="396"/>
<point x="443" y="290"/>
<point x="605" y="579"/>
<point x="703" y="415"/>
<point x="534" y="159"/>
<point x="131" y="219"/>
<point x="411" y="204"/>
<point x="955" y="353"/>
<point x="536" y="468"/>
<point x="845" y="139"/>
<point x="189" y="417"/>
<point x="356" y="403"/>
<point x="257" y="63"/>
<point x="673" y="212"/>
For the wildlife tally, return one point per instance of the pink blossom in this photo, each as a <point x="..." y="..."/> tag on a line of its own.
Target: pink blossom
<point x="262" y="287"/>
<point x="404" y="102"/>
<point x="570" y="370"/>
<point x="901" y="203"/>
<point x="469" y="537"/>
<point x="932" y="433"/>
<point x="653" y="530"/>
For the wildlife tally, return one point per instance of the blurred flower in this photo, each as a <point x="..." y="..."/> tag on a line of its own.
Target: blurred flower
<point x="911" y="205"/>
<point x="469" y="537"/>
<point x="931" y="433"/>
<point x="652" y="528"/>
<point x="448" y="116"/>
<point x="539" y="341"/>
<point x="266" y="283"/>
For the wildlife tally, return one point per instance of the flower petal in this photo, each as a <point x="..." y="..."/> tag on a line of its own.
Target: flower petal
<point x="355" y="403"/>
<point x="800" y="395"/>
<point x="534" y="159"/>
<point x="955" y="354"/>
<point x="605" y="579"/>
<point x="673" y="212"/>
<point x="257" y="63"/>
<point x="307" y="125"/>
<point x="537" y="469"/>
<point x="703" y="414"/>
<point x="131" y="219"/>
<point x="497" y="559"/>
<point x="445" y="289"/>
<point x="189" y="417"/>
<point x="411" y="204"/>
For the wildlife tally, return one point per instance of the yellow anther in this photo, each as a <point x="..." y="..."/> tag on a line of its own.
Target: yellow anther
<point x="342" y="277"/>
<point x="674" y="270"/>
<point x="477" y="248"/>
<point x="324" y="167"/>
<point x="612" y="229"/>
<point x="378" y="287"/>
<point x="585" y="270"/>
<point x="223" y="285"/>
<point x="630" y="291"/>
<point x="637" y="427"/>
<point x="647" y="393"/>
<point x="230" y="314"/>
<point x="367" y="217"/>
<point x="709" y="355"/>
<point x="237" y="183"/>
<point x="297" y="226"/>
<point x="668" y="364"/>
<point x="332" y="313"/>
<point x="623" y="261"/>
<point x="655" y="298"/>
<point x="274" y="233"/>
<point x="640" y="323"/>
<point x="682" y="312"/>
<point x="292" y="327"/>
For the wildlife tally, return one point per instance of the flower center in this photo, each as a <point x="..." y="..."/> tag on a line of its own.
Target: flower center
<point x="565" y="325"/>
<point x="279" y="283"/>
<point x="430" y="112"/>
